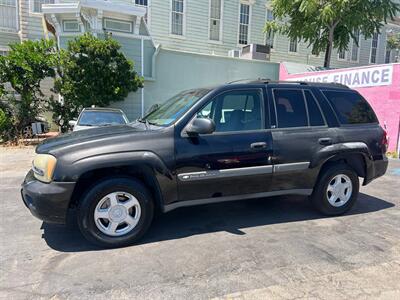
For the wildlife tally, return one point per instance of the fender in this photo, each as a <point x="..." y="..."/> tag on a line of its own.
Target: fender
<point x="72" y="171"/>
<point x="341" y="151"/>
<point x="164" y="179"/>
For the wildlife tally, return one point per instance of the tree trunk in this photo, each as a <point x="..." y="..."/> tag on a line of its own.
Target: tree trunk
<point x="327" y="59"/>
<point x="328" y="52"/>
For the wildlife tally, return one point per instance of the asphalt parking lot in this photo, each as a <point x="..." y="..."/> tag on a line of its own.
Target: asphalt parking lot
<point x="277" y="248"/>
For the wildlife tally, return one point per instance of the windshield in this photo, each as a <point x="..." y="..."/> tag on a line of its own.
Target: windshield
<point x="101" y="118"/>
<point x="175" y="107"/>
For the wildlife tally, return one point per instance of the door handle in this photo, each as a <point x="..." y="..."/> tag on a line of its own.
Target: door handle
<point x="259" y="145"/>
<point x="325" y="141"/>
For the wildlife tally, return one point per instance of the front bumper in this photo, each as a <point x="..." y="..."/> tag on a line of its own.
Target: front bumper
<point x="47" y="201"/>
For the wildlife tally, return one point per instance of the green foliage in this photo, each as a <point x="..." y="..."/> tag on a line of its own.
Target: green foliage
<point x="394" y="41"/>
<point x="5" y="124"/>
<point x="7" y="129"/>
<point x="392" y="154"/>
<point x="3" y="120"/>
<point x="93" y="72"/>
<point x="25" y="66"/>
<point x="327" y="24"/>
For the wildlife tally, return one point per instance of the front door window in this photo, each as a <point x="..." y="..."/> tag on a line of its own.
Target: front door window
<point x="235" y="111"/>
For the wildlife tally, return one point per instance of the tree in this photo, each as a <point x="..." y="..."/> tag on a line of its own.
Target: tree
<point x="328" y="24"/>
<point x="23" y="69"/>
<point x="393" y="43"/>
<point x="92" y="71"/>
<point x="7" y="131"/>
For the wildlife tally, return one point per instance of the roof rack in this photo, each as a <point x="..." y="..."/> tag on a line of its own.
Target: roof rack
<point x="249" y="80"/>
<point x="309" y="83"/>
<point x="240" y="80"/>
<point x="269" y="81"/>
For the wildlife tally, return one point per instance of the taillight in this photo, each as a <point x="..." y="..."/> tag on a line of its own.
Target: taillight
<point x="385" y="141"/>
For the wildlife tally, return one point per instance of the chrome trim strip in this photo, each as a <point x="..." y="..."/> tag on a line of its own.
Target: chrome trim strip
<point x="291" y="167"/>
<point x="225" y="173"/>
<point x="172" y="206"/>
<point x="258" y="170"/>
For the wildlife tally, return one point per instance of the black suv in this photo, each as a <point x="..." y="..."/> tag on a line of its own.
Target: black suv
<point x="236" y="141"/>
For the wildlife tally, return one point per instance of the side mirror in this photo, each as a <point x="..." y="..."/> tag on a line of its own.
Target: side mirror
<point x="72" y="123"/>
<point x="200" y="126"/>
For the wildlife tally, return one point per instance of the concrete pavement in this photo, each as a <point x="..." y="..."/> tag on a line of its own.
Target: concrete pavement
<point x="277" y="248"/>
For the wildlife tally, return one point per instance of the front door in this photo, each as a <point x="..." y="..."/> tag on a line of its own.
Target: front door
<point x="233" y="160"/>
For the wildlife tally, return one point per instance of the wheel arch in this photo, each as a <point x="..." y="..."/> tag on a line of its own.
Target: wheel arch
<point x="146" y="167"/>
<point x="142" y="173"/>
<point x="355" y="155"/>
<point x="355" y="160"/>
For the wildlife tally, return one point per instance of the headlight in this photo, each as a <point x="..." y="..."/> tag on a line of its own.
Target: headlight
<point x="43" y="167"/>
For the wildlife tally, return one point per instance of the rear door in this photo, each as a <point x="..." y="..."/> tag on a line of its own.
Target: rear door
<point x="299" y="131"/>
<point x="235" y="159"/>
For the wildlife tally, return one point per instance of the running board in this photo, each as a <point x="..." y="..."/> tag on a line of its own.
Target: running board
<point x="172" y="206"/>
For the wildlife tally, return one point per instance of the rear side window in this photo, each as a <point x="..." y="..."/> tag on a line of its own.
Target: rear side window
<point x="314" y="112"/>
<point x="350" y="107"/>
<point x="290" y="108"/>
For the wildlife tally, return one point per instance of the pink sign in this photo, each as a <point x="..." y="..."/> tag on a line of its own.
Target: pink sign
<point x="379" y="84"/>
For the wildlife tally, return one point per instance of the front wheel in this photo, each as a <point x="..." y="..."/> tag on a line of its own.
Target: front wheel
<point x="115" y="212"/>
<point x="336" y="190"/>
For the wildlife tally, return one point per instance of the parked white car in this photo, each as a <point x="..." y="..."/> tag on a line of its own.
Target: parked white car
<point x="97" y="117"/>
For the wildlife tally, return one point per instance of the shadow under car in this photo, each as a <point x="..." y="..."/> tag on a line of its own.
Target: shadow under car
<point x="227" y="216"/>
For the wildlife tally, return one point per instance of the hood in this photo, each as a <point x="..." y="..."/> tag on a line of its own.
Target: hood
<point x="89" y="135"/>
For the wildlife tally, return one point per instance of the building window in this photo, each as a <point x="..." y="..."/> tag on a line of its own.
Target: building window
<point x="355" y="46"/>
<point x="388" y="51"/>
<point x="215" y="19"/>
<point x="388" y="54"/>
<point x="36" y="5"/>
<point x="269" y="38"/>
<point x="177" y="16"/>
<point x="293" y="43"/>
<point x="374" y="48"/>
<point x="145" y="4"/>
<point x="342" y="55"/>
<point x="71" y="26"/>
<point x="118" y="25"/>
<point x="3" y="52"/>
<point x="141" y="2"/>
<point x="244" y="21"/>
<point x="8" y="14"/>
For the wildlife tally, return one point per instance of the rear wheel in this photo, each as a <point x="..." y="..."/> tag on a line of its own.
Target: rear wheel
<point x="115" y="212"/>
<point x="336" y="190"/>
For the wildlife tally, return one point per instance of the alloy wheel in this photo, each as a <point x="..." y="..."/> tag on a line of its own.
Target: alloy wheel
<point x="339" y="190"/>
<point x="117" y="213"/>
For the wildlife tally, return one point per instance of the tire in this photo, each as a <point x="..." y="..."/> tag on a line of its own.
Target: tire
<point x="325" y="190"/>
<point x="109" y="199"/>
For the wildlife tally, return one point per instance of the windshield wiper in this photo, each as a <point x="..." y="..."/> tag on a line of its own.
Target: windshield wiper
<point x="145" y="121"/>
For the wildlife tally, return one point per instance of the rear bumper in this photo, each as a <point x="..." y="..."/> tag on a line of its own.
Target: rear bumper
<point x="47" y="201"/>
<point x="381" y="167"/>
<point x="378" y="169"/>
